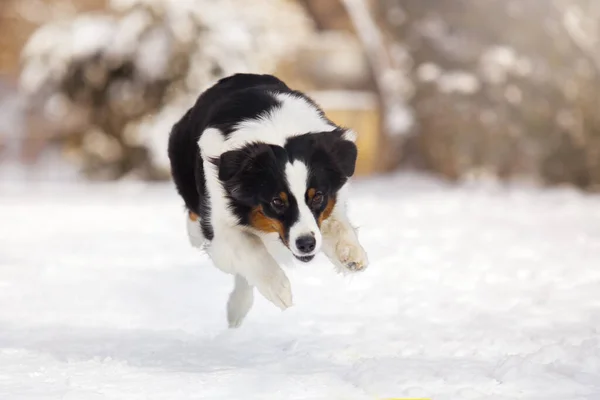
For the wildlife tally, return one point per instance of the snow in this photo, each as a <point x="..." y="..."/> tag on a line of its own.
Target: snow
<point x="498" y="62"/>
<point x="474" y="292"/>
<point x="52" y="46"/>
<point x="154" y="53"/>
<point x="429" y="72"/>
<point x="461" y="82"/>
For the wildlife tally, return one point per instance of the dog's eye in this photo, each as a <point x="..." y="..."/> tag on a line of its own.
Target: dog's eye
<point x="277" y="204"/>
<point x="317" y="199"/>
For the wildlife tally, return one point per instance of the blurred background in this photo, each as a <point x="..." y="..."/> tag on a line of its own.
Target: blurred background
<point x="463" y="89"/>
<point x="474" y="291"/>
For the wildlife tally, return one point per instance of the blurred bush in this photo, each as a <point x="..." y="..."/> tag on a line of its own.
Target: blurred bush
<point x="114" y="82"/>
<point x="503" y="88"/>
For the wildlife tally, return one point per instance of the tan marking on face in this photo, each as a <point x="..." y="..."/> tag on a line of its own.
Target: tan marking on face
<point x="193" y="216"/>
<point x="311" y="193"/>
<point x="260" y="222"/>
<point x="284" y="197"/>
<point x="327" y="211"/>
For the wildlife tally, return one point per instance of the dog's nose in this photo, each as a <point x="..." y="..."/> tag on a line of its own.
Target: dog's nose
<point x="306" y="243"/>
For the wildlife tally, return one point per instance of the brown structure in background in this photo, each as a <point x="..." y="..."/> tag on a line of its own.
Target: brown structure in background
<point x="328" y="15"/>
<point x="380" y="148"/>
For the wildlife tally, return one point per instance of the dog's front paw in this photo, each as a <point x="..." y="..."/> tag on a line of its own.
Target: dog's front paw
<point x="275" y="287"/>
<point x="351" y="256"/>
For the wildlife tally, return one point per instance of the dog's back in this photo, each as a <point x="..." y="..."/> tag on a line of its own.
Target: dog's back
<point x="184" y="154"/>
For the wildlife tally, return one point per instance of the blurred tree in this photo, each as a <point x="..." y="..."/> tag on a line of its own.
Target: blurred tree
<point x="388" y="71"/>
<point x="115" y="82"/>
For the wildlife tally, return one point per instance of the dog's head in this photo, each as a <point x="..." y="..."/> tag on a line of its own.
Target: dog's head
<point x="290" y="190"/>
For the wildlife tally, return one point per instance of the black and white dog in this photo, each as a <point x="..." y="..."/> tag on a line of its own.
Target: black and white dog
<point x="263" y="173"/>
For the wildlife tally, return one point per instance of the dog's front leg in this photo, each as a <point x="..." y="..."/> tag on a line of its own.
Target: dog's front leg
<point x="244" y="254"/>
<point x="194" y="231"/>
<point x="340" y="242"/>
<point x="240" y="302"/>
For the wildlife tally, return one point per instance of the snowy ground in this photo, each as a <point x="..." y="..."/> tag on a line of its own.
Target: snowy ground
<point x="472" y="294"/>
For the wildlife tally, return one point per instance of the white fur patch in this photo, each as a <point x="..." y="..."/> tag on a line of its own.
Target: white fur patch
<point x="211" y="144"/>
<point x="297" y="177"/>
<point x="236" y="252"/>
<point x="350" y="135"/>
<point x="294" y="117"/>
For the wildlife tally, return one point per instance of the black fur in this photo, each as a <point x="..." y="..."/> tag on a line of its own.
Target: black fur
<point x="230" y="100"/>
<point x="254" y="175"/>
<point x="331" y="161"/>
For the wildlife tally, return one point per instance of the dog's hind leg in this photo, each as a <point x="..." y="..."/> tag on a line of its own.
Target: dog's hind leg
<point x="240" y="302"/>
<point x="194" y="231"/>
<point x="340" y="242"/>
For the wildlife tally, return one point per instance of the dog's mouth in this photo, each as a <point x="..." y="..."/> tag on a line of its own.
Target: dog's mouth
<point x="301" y="258"/>
<point x="304" y="258"/>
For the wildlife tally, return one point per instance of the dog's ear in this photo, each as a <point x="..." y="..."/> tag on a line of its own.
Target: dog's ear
<point x="230" y="163"/>
<point x="254" y="156"/>
<point x="279" y="154"/>
<point x="242" y="170"/>
<point x="345" y="153"/>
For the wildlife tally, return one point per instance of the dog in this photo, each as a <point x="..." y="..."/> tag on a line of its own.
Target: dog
<point x="264" y="175"/>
